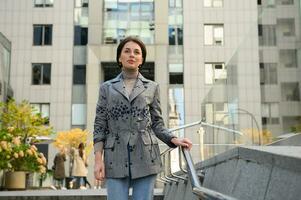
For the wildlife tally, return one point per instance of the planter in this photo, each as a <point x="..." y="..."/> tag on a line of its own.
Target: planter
<point x="15" y="180"/>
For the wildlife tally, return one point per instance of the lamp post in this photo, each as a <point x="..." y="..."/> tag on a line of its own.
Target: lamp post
<point x="256" y="123"/>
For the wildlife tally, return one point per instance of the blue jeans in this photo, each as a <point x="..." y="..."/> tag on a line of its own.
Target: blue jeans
<point x="118" y="188"/>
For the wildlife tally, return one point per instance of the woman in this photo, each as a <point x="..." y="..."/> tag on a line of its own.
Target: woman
<point x="128" y="120"/>
<point x="80" y="170"/>
<point x="59" y="169"/>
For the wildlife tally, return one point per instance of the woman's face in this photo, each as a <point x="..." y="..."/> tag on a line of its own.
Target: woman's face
<point x="131" y="56"/>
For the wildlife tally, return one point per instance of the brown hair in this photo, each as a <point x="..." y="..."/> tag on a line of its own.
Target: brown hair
<point x="81" y="147"/>
<point x="131" y="39"/>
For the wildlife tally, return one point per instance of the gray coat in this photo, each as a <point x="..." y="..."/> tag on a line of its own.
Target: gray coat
<point x="130" y="126"/>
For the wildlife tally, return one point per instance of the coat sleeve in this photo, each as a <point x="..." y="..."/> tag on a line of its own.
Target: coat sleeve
<point x="100" y="123"/>
<point x="157" y="121"/>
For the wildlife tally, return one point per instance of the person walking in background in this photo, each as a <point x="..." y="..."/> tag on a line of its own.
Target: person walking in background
<point x="80" y="164"/>
<point x="59" y="169"/>
<point x="127" y="123"/>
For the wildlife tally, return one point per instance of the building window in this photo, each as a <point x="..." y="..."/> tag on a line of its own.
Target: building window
<point x="217" y="113"/>
<point x="111" y="70"/>
<point x="270" y="113"/>
<point x="175" y="35"/>
<point x="175" y="23"/>
<point x="80" y="35"/>
<point x="175" y="73"/>
<point x="288" y="58"/>
<point x="79" y="112"/>
<point x="82" y="3"/>
<point x="269" y="3"/>
<point x="214" y="34"/>
<point x="125" y="17"/>
<point x="215" y="73"/>
<point x="267" y="35"/>
<point x="290" y="91"/>
<point x="43" y="109"/>
<point x="79" y="74"/>
<point x="268" y="73"/>
<point x="81" y="13"/>
<point x="175" y="3"/>
<point x="41" y="73"/>
<point x="286" y="27"/>
<point x="43" y="3"/>
<point x="285" y="2"/>
<point x="176" y="107"/>
<point x="42" y="35"/>
<point x="213" y="3"/>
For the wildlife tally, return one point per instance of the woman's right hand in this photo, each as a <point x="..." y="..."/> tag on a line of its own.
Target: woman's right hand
<point x="99" y="167"/>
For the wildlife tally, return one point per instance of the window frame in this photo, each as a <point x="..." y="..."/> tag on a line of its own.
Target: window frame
<point x="40" y="110"/>
<point x="42" y="34"/>
<point x="213" y="38"/>
<point x="43" y="5"/>
<point x="213" y="78"/>
<point x="212" y="4"/>
<point x="41" y="80"/>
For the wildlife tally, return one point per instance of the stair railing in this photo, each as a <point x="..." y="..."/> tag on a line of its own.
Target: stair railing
<point x="202" y="192"/>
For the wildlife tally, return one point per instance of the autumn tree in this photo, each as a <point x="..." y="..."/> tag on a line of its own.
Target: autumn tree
<point x="71" y="139"/>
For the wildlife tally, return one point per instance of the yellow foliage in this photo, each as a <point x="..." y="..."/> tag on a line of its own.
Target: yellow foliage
<point x="252" y="135"/>
<point x="72" y="138"/>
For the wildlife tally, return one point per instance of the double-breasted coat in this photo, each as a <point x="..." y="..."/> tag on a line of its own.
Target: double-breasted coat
<point x="129" y="127"/>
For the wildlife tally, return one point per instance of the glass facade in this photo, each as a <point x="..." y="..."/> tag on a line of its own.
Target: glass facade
<point x="122" y="18"/>
<point x="230" y="100"/>
<point x="81" y="15"/>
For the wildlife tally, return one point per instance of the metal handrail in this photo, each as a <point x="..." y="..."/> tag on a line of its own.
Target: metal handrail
<point x="197" y="189"/>
<point x="180" y="162"/>
<point x="205" y="124"/>
<point x="165" y="178"/>
<point x="174" y="175"/>
<point x="202" y="192"/>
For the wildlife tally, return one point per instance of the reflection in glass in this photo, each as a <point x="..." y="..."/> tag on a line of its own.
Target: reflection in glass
<point x="288" y="58"/>
<point x="268" y="73"/>
<point x="41" y="74"/>
<point x="124" y="17"/>
<point x="215" y="73"/>
<point x="176" y="106"/>
<point x="290" y="91"/>
<point x="214" y="34"/>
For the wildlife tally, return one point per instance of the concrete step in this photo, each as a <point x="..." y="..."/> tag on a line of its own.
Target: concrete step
<point x="48" y="194"/>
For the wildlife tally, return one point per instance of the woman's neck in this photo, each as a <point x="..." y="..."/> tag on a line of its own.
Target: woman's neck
<point x="129" y="74"/>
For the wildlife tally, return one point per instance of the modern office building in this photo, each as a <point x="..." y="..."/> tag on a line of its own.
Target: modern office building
<point x="5" y="53"/>
<point x="233" y="63"/>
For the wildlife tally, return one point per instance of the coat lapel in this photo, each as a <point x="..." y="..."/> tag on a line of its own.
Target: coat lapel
<point x="118" y="85"/>
<point x="139" y="87"/>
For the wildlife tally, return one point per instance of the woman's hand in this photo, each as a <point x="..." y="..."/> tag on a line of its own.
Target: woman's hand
<point x="183" y="142"/>
<point x="99" y="167"/>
